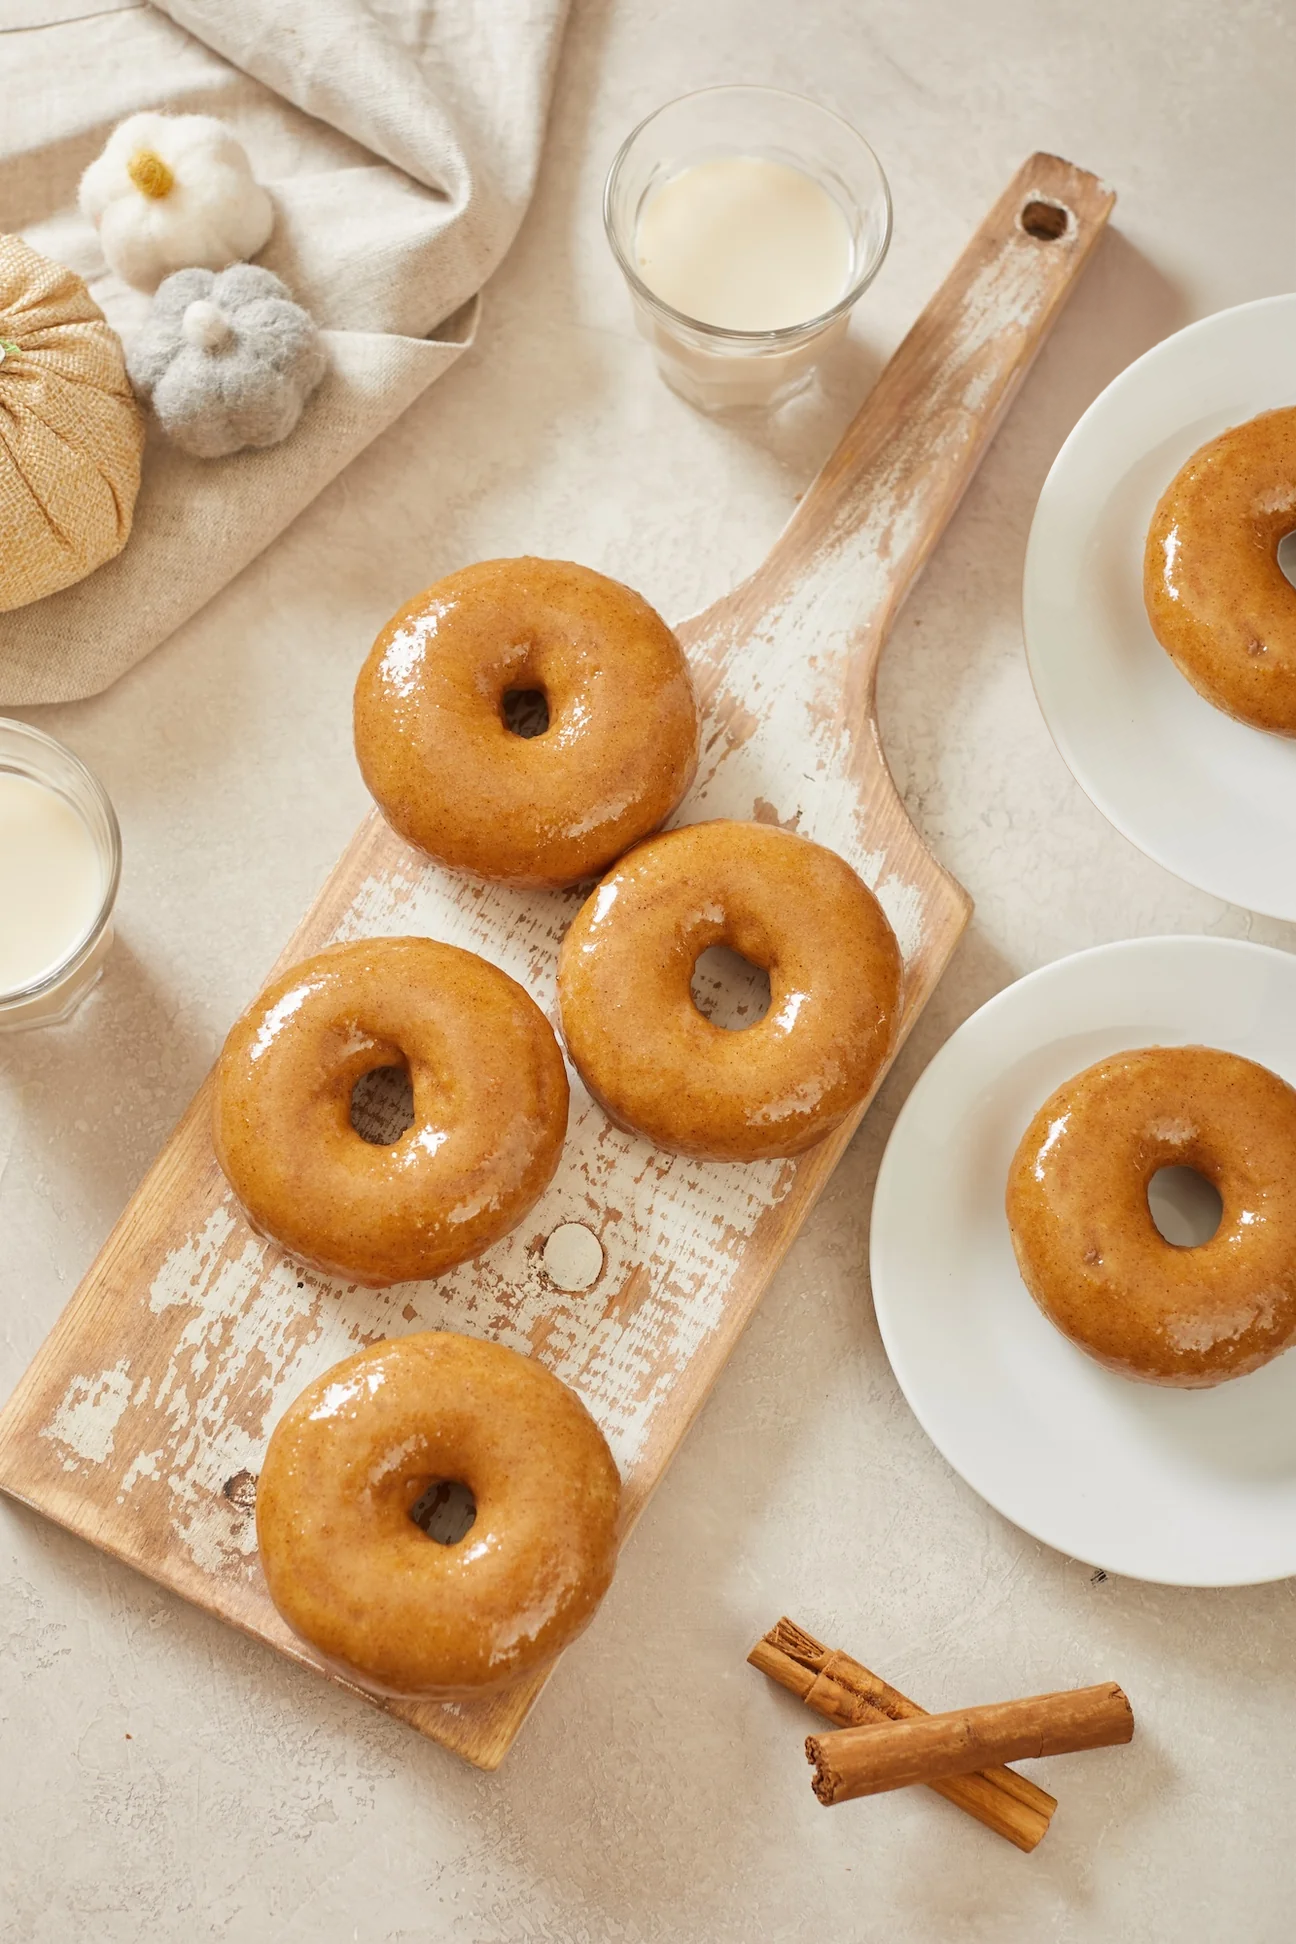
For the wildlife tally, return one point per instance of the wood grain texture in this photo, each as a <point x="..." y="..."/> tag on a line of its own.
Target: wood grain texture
<point x="141" y="1422"/>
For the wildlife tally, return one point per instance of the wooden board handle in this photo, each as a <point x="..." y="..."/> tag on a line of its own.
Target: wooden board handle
<point x="881" y="502"/>
<point x="930" y="416"/>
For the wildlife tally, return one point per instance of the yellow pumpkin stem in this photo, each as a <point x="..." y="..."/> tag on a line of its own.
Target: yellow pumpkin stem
<point x="150" y="174"/>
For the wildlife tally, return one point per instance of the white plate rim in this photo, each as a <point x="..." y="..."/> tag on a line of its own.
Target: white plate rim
<point x="1128" y="380"/>
<point x="929" y="1079"/>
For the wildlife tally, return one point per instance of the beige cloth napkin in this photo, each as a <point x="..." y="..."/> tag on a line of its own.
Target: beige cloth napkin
<point x="399" y="139"/>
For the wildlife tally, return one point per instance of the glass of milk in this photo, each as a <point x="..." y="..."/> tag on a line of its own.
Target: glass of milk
<point x="60" y="862"/>
<point x="747" y="223"/>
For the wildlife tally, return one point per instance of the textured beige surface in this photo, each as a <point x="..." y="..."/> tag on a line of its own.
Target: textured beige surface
<point x="660" y="1792"/>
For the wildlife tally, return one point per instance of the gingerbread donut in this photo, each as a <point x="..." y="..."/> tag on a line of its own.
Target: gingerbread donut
<point x="651" y="1058"/>
<point x="434" y="708"/>
<point x="1218" y="601"/>
<point x="1089" y="1251"/>
<point x="490" y="1108"/>
<point x="352" y="1573"/>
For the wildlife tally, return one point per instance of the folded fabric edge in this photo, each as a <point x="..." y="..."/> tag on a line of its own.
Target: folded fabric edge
<point x="58" y="649"/>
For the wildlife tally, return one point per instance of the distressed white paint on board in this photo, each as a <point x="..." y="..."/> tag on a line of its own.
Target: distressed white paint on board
<point x="251" y="1328"/>
<point x="88" y="1415"/>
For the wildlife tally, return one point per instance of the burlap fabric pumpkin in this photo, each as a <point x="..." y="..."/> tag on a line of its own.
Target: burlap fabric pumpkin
<point x="71" y="433"/>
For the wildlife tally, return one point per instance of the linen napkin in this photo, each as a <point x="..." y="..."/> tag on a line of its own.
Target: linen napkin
<point x="399" y="140"/>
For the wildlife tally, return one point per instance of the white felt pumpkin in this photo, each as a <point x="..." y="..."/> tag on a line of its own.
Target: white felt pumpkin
<point x="171" y="192"/>
<point x="71" y="433"/>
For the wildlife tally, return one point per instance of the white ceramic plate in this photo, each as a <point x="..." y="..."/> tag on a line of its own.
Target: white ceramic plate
<point x="1212" y="800"/>
<point x="1193" y="1488"/>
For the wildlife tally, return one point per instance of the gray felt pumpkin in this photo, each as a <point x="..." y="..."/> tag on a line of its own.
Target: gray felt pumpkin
<point x="226" y="359"/>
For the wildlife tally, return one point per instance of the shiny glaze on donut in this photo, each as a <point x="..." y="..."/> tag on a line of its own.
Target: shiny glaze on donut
<point x="1217" y="599"/>
<point x="383" y="1603"/>
<point x="662" y="1069"/>
<point x="490" y="1108"/>
<point x="548" y="810"/>
<point x="1089" y="1251"/>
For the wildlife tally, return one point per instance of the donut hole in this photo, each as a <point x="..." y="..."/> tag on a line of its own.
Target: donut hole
<point x="1045" y="221"/>
<point x="525" y="711"/>
<point x="382" y="1105"/>
<point x="1185" y="1207"/>
<point x="729" y="990"/>
<point x="1287" y="556"/>
<point x="445" y="1510"/>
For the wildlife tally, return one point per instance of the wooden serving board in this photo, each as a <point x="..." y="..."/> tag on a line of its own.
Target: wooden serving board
<point x="142" y="1421"/>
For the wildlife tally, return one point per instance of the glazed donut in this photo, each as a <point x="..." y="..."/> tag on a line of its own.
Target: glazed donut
<point x="1219" y="603"/>
<point x="351" y="1572"/>
<point x="437" y="752"/>
<point x="490" y="1108"/>
<point x="1089" y="1251"/>
<point x="649" y="1056"/>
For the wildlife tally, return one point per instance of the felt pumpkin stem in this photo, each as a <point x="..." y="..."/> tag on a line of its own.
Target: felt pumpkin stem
<point x="150" y="174"/>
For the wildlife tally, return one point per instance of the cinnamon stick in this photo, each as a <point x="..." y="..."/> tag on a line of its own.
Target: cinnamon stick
<point x="893" y="1755"/>
<point x="846" y="1692"/>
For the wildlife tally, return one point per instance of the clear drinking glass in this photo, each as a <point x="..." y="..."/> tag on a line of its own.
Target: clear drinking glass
<point x="61" y="988"/>
<point x="712" y="367"/>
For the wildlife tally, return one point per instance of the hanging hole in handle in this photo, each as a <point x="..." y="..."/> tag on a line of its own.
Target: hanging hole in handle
<point x="1046" y="221"/>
